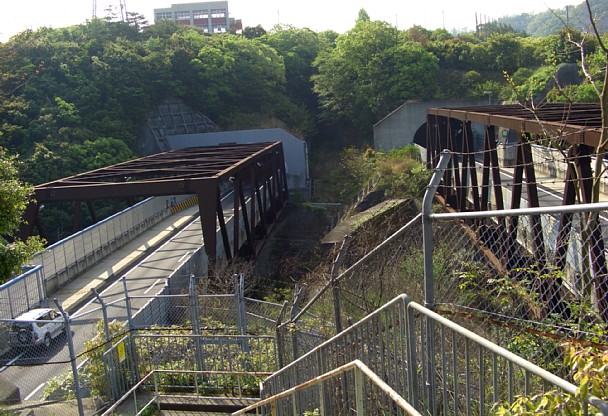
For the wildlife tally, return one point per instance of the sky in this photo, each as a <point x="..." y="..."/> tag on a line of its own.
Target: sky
<point x="318" y="15"/>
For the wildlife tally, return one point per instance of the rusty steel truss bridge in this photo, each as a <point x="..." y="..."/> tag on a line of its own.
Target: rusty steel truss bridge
<point x="254" y="172"/>
<point x="573" y="129"/>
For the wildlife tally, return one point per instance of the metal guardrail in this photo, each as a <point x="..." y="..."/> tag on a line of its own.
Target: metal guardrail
<point x="434" y="364"/>
<point x="362" y="405"/>
<point x="67" y="258"/>
<point x="62" y="261"/>
<point x="154" y="386"/>
<point x="22" y="293"/>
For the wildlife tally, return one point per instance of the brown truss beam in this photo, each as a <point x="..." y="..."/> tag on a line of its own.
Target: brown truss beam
<point x="575" y="123"/>
<point x="198" y="171"/>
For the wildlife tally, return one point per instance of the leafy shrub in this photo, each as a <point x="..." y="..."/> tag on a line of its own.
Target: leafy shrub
<point x="589" y="369"/>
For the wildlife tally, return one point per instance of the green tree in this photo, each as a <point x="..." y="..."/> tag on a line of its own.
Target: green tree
<point x="254" y="32"/>
<point x="371" y="71"/>
<point x="14" y="198"/>
<point x="234" y="75"/>
<point x="298" y="48"/>
<point x="363" y="17"/>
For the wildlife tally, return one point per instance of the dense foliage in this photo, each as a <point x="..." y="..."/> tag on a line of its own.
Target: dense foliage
<point x="14" y="197"/>
<point x="76" y="98"/>
<point x="72" y="94"/>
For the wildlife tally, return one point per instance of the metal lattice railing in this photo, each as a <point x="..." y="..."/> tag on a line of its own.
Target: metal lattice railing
<point x="436" y="365"/>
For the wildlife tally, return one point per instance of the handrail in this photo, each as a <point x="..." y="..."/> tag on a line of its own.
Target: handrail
<point x="437" y="319"/>
<point x="153" y="373"/>
<point x="401" y="298"/>
<point x="566" y="386"/>
<point x="355" y="364"/>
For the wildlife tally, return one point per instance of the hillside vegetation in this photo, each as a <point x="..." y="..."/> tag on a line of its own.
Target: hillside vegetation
<point x="75" y="98"/>
<point x="552" y="21"/>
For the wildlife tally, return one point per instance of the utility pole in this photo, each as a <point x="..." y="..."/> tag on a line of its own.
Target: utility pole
<point x="94" y="9"/>
<point x="123" y="10"/>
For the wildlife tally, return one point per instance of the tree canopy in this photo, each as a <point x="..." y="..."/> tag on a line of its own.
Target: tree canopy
<point x="14" y="197"/>
<point x="76" y="98"/>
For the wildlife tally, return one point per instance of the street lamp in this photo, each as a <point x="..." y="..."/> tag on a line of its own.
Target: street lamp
<point x="489" y="94"/>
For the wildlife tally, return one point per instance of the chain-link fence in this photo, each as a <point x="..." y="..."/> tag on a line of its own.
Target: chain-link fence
<point x="118" y="338"/>
<point x="528" y="280"/>
<point x="434" y="364"/>
<point x="367" y="281"/>
<point x="525" y="281"/>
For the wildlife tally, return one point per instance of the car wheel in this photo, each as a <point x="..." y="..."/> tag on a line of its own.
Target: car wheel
<point x="23" y="336"/>
<point x="47" y="341"/>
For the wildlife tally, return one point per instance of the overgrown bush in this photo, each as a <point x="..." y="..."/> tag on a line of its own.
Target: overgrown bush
<point x="400" y="171"/>
<point x="588" y="368"/>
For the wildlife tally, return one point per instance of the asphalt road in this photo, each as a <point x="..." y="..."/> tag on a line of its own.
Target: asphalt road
<point x="24" y="367"/>
<point x="30" y="369"/>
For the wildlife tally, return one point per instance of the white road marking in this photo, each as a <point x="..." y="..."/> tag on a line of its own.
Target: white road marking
<point x="558" y="196"/>
<point x="11" y="362"/>
<point x="182" y="258"/>
<point x="29" y="396"/>
<point x="151" y="287"/>
<point x="111" y="286"/>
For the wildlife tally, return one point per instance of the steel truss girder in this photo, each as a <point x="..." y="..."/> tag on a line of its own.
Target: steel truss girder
<point x="579" y="125"/>
<point x="257" y="167"/>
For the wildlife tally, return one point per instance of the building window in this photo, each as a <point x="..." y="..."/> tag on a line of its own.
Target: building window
<point x="182" y="15"/>
<point x="219" y="28"/>
<point x="163" y="16"/>
<point x="200" y="14"/>
<point x="217" y="13"/>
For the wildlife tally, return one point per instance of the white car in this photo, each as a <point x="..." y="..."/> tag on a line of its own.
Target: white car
<point x="36" y="327"/>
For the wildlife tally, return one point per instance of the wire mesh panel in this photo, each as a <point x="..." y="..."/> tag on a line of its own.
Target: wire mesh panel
<point x="22" y="293"/>
<point x="378" y="340"/>
<point x="374" y="273"/>
<point x="35" y="349"/>
<point x="522" y="281"/>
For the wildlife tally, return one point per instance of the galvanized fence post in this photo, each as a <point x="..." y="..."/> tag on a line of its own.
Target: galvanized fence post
<point x="359" y="392"/>
<point x="196" y="323"/>
<point x="131" y="329"/>
<point x="240" y="310"/>
<point x="10" y="302"/>
<point x="293" y="312"/>
<point x="335" y="270"/>
<point x="429" y="283"/>
<point x="427" y="229"/>
<point x="68" y="335"/>
<point x="279" y="335"/>
<point x="412" y="359"/>
<point x="106" y="328"/>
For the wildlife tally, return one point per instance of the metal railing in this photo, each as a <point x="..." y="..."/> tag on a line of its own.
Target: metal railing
<point x="178" y="385"/>
<point x="365" y="384"/>
<point x="22" y="293"/>
<point x="67" y="258"/>
<point x="434" y="364"/>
